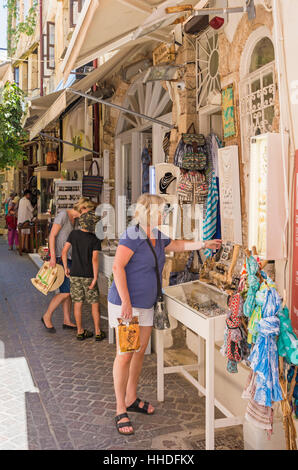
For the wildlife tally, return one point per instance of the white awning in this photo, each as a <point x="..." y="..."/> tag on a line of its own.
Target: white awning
<point x="47" y="109"/>
<point x="108" y="25"/>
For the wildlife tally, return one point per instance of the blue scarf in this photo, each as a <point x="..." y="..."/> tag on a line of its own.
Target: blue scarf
<point x="264" y="357"/>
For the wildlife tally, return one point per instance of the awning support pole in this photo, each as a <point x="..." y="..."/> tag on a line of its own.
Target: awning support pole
<point x="56" y="139"/>
<point x="121" y="108"/>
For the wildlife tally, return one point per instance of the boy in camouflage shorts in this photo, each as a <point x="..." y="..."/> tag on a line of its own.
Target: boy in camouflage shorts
<point x="84" y="273"/>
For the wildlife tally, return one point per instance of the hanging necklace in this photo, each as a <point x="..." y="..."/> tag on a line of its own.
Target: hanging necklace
<point x="165" y="182"/>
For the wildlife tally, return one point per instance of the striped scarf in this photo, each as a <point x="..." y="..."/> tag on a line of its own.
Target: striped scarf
<point x="210" y="221"/>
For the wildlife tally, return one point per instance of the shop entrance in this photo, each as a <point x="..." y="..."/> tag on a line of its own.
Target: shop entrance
<point x="135" y="139"/>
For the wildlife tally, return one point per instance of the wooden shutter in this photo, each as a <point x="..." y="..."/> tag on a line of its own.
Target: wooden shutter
<point x="50" y="45"/>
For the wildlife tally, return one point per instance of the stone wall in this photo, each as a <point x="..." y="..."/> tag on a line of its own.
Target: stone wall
<point x="229" y="66"/>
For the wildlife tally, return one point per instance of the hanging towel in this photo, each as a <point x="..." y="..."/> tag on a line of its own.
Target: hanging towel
<point x="210" y="221"/>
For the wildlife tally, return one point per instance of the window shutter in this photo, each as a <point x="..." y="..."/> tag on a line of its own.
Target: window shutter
<point x="50" y="45"/>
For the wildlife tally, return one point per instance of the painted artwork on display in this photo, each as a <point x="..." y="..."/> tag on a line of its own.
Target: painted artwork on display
<point x="228" y="112"/>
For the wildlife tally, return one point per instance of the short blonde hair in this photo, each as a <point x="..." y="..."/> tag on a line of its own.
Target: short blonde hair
<point x="84" y="203"/>
<point x="147" y="208"/>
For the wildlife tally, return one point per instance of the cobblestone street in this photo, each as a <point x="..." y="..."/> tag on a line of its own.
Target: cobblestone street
<point x="68" y="402"/>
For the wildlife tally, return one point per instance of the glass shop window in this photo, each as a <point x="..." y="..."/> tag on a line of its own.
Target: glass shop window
<point x="17" y="76"/>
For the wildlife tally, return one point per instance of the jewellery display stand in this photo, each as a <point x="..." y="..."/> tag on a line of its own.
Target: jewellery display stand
<point x="210" y="328"/>
<point x="66" y="194"/>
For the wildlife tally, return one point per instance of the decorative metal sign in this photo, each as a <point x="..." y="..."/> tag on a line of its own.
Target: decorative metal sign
<point x="229" y="186"/>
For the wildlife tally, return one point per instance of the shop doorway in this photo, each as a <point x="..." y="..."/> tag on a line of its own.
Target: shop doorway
<point x="133" y="135"/>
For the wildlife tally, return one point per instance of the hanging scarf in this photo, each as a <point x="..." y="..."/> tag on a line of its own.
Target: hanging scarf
<point x="252" y="267"/>
<point x="264" y="357"/>
<point x="233" y="334"/>
<point x="257" y="312"/>
<point x="287" y="343"/>
<point x="260" y="416"/>
<point x="210" y="220"/>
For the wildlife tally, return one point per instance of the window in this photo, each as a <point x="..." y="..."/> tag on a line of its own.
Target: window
<point x="207" y="63"/>
<point x="75" y="8"/>
<point x="50" y="40"/>
<point x="26" y="7"/>
<point x="17" y="76"/>
<point x="257" y="94"/>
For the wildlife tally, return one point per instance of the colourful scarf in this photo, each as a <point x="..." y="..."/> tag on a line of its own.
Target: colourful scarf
<point x="252" y="267"/>
<point x="287" y="343"/>
<point x="264" y="357"/>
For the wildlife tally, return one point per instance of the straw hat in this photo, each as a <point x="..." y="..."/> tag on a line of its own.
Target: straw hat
<point x="43" y="280"/>
<point x="60" y="278"/>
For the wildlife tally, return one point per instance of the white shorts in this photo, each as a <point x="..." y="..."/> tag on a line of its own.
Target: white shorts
<point x="145" y="315"/>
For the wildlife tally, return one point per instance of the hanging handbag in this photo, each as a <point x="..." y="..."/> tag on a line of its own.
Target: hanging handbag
<point x="191" y="153"/>
<point x="92" y="184"/>
<point x="160" y="318"/>
<point x="185" y="188"/>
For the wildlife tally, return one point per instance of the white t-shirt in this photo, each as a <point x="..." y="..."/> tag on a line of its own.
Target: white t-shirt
<point x="25" y="211"/>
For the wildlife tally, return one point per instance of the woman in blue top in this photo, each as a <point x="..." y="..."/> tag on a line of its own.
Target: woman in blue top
<point x="134" y="292"/>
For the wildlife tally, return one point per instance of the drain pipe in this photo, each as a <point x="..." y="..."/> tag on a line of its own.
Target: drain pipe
<point x="41" y="52"/>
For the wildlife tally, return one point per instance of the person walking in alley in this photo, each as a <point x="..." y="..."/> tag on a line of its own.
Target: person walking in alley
<point x="84" y="273"/>
<point x="25" y="214"/>
<point x="134" y="292"/>
<point x="11" y="222"/>
<point x="62" y="227"/>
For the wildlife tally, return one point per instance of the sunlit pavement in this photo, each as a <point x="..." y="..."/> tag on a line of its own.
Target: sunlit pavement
<point x="57" y="392"/>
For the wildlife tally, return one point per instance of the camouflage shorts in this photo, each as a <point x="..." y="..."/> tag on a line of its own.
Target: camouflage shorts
<point x="80" y="292"/>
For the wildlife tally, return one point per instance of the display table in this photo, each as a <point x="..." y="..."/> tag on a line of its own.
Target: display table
<point x="209" y="328"/>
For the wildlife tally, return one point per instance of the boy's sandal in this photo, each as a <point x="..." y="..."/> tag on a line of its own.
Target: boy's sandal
<point x="86" y="334"/>
<point x="101" y="336"/>
<point x="135" y="408"/>
<point x="127" y="424"/>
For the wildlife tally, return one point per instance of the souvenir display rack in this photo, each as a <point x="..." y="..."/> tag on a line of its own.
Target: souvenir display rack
<point x="66" y="194"/>
<point x="209" y="327"/>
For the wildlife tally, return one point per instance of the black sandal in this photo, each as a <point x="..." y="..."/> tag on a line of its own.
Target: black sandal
<point x="127" y="424"/>
<point x="86" y="334"/>
<point x="135" y="408"/>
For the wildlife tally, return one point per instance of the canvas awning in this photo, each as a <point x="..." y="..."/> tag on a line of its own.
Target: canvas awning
<point x="108" y="25"/>
<point x="47" y="109"/>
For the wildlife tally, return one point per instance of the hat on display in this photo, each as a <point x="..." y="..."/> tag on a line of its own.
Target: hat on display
<point x="165" y="182"/>
<point x="88" y="220"/>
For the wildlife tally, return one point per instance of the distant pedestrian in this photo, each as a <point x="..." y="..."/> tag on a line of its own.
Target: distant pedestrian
<point x="8" y="201"/>
<point x="63" y="225"/>
<point x="25" y="214"/>
<point x="84" y="273"/>
<point x="11" y="222"/>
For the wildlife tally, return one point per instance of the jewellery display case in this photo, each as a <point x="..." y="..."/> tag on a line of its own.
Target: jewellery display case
<point x="202" y="309"/>
<point x="66" y="194"/>
<point x="267" y="197"/>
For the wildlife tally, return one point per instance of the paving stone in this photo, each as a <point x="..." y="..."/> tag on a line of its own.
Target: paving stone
<point x="74" y="406"/>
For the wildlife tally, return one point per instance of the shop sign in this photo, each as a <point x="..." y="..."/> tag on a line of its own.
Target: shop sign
<point x="295" y="253"/>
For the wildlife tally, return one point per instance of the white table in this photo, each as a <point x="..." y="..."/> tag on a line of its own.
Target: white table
<point x="210" y="329"/>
